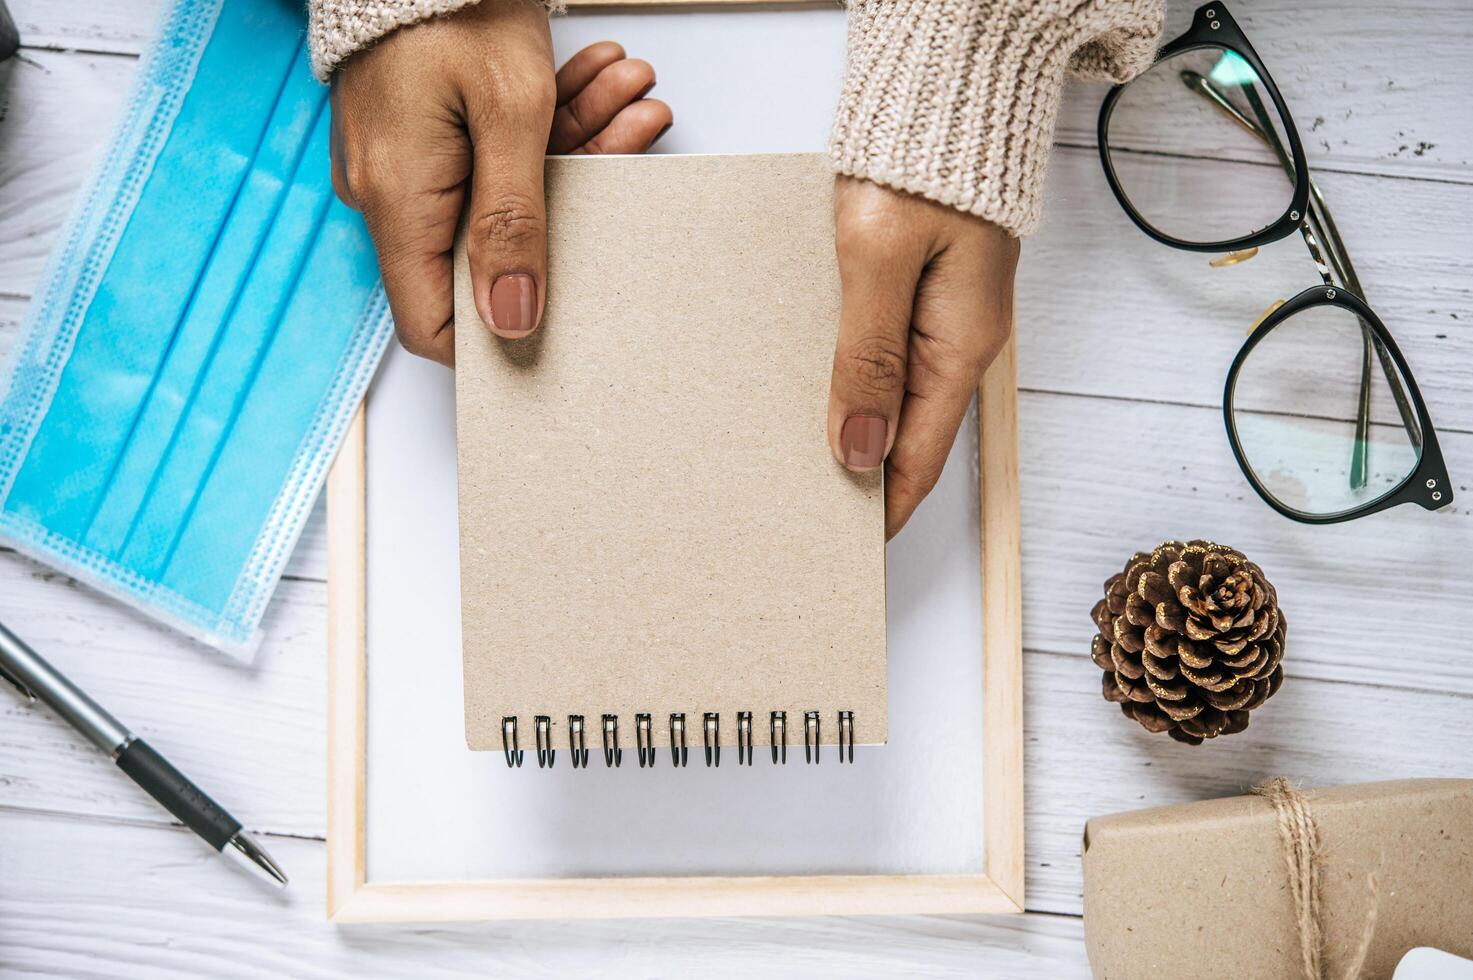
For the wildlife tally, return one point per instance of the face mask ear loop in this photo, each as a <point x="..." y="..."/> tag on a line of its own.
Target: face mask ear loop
<point x="249" y="381"/>
<point x="184" y="313"/>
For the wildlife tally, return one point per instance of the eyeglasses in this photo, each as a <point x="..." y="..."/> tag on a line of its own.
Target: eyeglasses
<point x="1322" y="412"/>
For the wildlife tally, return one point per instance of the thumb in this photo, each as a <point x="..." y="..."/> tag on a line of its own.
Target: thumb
<point x="870" y="360"/>
<point x="506" y="232"/>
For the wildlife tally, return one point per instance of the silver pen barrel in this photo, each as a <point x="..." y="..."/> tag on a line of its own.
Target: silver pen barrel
<point x="155" y="775"/>
<point x="29" y="671"/>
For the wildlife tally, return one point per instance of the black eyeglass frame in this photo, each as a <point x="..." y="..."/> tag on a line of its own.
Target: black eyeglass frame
<point x="1427" y="485"/>
<point x="1213" y="27"/>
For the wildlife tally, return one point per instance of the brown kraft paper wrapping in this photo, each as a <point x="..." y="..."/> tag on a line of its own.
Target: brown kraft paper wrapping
<point x="1202" y="889"/>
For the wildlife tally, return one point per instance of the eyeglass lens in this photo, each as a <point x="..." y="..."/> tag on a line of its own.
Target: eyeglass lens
<point x="1294" y="406"/>
<point x="1175" y="135"/>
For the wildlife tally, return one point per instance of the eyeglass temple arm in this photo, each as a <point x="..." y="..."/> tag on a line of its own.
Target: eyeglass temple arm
<point x="1322" y="226"/>
<point x="1339" y="260"/>
<point x="1317" y="228"/>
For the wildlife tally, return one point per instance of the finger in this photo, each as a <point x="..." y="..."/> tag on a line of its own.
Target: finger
<point x="413" y="233"/>
<point x="877" y="272"/>
<point x="583" y="67"/>
<point x="633" y="130"/>
<point x="414" y="250"/>
<point x="506" y="228"/>
<point x="962" y="317"/>
<point x="407" y="174"/>
<point x="929" y="421"/>
<point x="593" y="108"/>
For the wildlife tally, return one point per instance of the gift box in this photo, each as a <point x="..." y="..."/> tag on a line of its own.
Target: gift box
<point x="1324" y="883"/>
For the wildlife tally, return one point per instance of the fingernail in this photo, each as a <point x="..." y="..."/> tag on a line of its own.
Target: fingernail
<point x="513" y="305"/>
<point x="862" y="441"/>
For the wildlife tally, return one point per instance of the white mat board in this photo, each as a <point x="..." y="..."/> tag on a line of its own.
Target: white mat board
<point x="740" y="81"/>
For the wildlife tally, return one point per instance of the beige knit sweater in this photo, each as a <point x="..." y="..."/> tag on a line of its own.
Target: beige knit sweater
<point x="951" y="99"/>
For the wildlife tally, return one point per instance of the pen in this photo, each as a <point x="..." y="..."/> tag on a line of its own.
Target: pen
<point x="38" y="680"/>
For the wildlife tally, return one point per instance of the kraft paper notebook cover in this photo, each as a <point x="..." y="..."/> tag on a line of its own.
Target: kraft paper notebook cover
<point x="653" y="528"/>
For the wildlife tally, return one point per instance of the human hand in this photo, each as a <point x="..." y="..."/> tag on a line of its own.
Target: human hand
<point x="468" y="104"/>
<point x="927" y="305"/>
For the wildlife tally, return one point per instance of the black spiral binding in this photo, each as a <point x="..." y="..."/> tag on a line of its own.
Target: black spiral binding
<point x="644" y="741"/>
<point x="509" y="743"/>
<point x="811" y="737"/>
<point x="613" y="755"/>
<point x="546" y="754"/>
<point x="677" y="740"/>
<point x="711" y="736"/>
<point x="576" y="748"/>
<point x="744" y="738"/>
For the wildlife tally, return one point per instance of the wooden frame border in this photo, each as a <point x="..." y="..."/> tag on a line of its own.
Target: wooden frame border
<point x="352" y="898"/>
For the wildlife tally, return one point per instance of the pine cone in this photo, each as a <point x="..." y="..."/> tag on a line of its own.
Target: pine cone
<point x="1190" y="640"/>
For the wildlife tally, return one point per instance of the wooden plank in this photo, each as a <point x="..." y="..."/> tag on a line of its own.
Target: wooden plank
<point x="1110" y="312"/>
<point x="1002" y="622"/>
<point x="1083" y="757"/>
<point x="126" y="26"/>
<point x="123" y="26"/>
<point x="683" y="896"/>
<point x="1086" y="759"/>
<point x="1373" y="87"/>
<point x="60" y="110"/>
<point x="309" y="559"/>
<point x="251" y="735"/>
<point x="165" y="907"/>
<point x="1176" y="316"/>
<point x="347" y="670"/>
<point x="1368" y="602"/>
<point x="1107" y="311"/>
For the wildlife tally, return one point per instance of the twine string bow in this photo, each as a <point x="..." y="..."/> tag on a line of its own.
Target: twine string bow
<point x="1301" y="839"/>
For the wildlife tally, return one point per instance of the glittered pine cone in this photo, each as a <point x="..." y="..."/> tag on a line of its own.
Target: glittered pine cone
<point x="1190" y="640"/>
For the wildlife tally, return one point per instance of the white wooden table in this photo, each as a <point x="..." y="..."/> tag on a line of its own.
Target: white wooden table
<point x="1123" y="347"/>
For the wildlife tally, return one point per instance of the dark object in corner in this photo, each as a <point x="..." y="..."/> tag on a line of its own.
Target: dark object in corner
<point x="9" y="37"/>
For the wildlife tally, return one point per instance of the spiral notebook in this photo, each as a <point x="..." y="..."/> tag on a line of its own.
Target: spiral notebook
<point x="660" y="557"/>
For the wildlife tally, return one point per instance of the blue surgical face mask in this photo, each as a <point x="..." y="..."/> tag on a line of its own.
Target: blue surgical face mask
<point x="205" y="328"/>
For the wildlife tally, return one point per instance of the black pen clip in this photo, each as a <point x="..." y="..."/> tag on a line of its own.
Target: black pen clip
<point x="19" y="685"/>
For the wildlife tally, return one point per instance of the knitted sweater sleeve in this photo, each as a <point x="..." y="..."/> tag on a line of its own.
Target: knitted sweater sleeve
<point x="955" y="100"/>
<point x="338" y="28"/>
